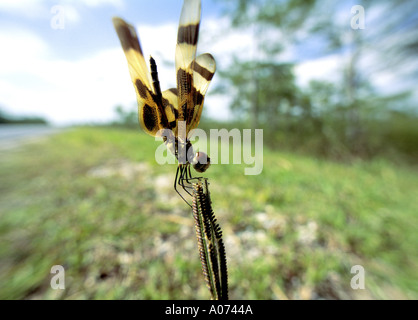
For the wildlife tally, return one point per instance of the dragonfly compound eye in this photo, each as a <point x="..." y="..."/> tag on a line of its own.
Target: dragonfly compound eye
<point x="201" y="162"/>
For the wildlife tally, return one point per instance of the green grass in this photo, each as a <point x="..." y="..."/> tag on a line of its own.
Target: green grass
<point x="94" y="201"/>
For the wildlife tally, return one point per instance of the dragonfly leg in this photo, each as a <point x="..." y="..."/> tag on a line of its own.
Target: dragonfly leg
<point x="184" y="177"/>
<point x="177" y="181"/>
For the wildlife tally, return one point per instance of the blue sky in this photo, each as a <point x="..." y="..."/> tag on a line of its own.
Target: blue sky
<point x="79" y="73"/>
<point x="88" y="26"/>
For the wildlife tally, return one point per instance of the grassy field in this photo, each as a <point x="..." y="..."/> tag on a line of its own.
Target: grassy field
<point x="94" y="201"/>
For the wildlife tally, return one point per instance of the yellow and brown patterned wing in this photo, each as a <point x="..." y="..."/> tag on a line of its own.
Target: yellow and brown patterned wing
<point x="171" y="108"/>
<point x="150" y="115"/>
<point x="203" y="70"/>
<point x="193" y="74"/>
<point x="187" y="38"/>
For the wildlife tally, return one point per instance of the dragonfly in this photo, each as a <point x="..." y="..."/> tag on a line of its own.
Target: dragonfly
<point x="173" y="113"/>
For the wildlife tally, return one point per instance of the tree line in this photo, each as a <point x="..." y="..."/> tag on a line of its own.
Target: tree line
<point x="342" y="118"/>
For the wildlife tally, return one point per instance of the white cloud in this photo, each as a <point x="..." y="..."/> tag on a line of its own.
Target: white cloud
<point x="160" y="42"/>
<point x="15" y="46"/>
<point x="28" y="5"/>
<point x="25" y="8"/>
<point x="41" y="9"/>
<point x="219" y="39"/>
<point x="63" y="91"/>
<point x="97" y="3"/>
<point x="325" y="68"/>
<point x="71" y="14"/>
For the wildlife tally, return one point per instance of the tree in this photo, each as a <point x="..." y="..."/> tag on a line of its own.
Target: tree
<point x="264" y="89"/>
<point x="384" y="48"/>
<point x="126" y="118"/>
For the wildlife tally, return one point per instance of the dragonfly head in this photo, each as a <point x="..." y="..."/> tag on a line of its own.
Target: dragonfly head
<point x="201" y="161"/>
